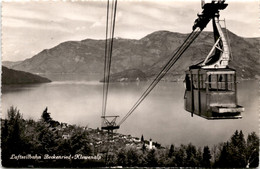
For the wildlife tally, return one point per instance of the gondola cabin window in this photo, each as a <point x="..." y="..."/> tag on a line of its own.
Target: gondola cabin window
<point x="198" y="81"/>
<point x="221" y="82"/>
<point x="202" y="78"/>
<point x="195" y="81"/>
<point x="187" y="82"/>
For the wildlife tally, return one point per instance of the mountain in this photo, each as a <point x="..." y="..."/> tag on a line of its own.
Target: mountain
<point x="10" y="76"/>
<point x="10" y="63"/>
<point x="148" y="54"/>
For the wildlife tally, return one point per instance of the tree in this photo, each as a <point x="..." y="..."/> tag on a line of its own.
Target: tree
<point x="142" y="139"/>
<point x="206" y="157"/>
<point x="199" y="156"/>
<point x="47" y="141"/>
<point x="143" y="148"/>
<point x="4" y="144"/>
<point x="252" y="150"/>
<point x="233" y="152"/>
<point x="4" y="132"/>
<point x="223" y="160"/>
<point x="132" y="158"/>
<point x="46" y="116"/>
<point x="181" y="156"/>
<point x="151" y="159"/>
<point x="80" y="142"/>
<point x="13" y="141"/>
<point x="171" y="151"/>
<point x="15" y="130"/>
<point x="215" y="152"/>
<point x="162" y="158"/>
<point x="13" y="114"/>
<point x="121" y="158"/>
<point x="192" y="156"/>
<point x="238" y="149"/>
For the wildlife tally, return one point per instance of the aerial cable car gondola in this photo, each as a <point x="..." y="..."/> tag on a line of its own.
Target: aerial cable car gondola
<point x="211" y="90"/>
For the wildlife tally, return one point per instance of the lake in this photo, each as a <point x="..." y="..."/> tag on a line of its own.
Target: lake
<point x="161" y="116"/>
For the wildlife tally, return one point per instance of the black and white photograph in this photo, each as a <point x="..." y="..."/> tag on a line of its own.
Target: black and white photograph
<point x="130" y="83"/>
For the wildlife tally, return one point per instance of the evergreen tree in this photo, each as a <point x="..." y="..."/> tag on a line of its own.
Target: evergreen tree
<point x="181" y="156"/>
<point x="4" y="144"/>
<point x="171" y="151"/>
<point x="46" y="116"/>
<point x="233" y="153"/>
<point x="199" y="156"/>
<point x="14" y="142"/>
<point x="252" y="150"/>
<point x="121" y="158"/>
<point x="151" y="159"/>
<point x="80" y="142"/>
<point x="237" y="151"/>
<point x="47" y="141"/>
<point x="242" y="143"/>
<point x="142" y="139"/>
<point x="223" y="160"/>
<point x="206" y="157"/>
<point x="192" y="159"/>
<point x="143" y="148"/>
<point x="132" y="158"/>
<point x="4" y="132"/>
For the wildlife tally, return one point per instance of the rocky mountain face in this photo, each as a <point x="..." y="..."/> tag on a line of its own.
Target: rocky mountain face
<point x="148" y="55"/>
<point x="10" y="76"/>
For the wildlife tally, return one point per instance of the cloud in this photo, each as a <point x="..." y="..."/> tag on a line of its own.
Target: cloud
<point x="34" y="26"/>
<point x="96" y="24"/>
<point x="99" y="22"/>
<point x="17" y="52"/>
<point x="24" y="23"/>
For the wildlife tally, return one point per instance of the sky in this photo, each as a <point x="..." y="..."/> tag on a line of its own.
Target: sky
<point x="28" y="27"/>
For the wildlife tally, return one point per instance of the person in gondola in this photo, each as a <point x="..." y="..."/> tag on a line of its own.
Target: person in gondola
<point x="187" y="82"/>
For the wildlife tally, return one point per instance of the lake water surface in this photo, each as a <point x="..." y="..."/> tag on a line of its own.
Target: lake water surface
<point x="161" y="116"/>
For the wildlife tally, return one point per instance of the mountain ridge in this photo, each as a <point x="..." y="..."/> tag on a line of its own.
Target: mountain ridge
<point x="148" y="54"/>
<point x="10" y="76"/>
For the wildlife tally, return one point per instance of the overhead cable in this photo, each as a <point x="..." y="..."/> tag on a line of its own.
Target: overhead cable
<point x="191" y="37"/>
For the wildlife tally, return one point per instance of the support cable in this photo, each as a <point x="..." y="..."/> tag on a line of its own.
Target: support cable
<point x="110" y="50"/>
<point x="108" y="53"/>
<point x="191" y="37"/>
<point x="105" y="66"/>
